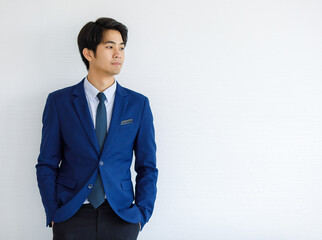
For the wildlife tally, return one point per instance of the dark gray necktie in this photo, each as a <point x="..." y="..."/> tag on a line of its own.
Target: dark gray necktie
<point x="97" y="196"/>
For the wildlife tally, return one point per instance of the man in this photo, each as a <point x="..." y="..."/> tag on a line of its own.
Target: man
<point x="90" y="131"/>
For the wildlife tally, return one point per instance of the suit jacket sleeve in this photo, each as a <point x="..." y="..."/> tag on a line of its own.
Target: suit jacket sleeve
<point x="49" y="158"/>
<point x="145" y="164"/>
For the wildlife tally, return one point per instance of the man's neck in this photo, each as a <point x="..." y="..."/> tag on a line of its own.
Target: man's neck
<point x="100" y="81"/>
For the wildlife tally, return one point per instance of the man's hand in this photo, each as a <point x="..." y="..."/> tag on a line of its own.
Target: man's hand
<point x="52" y="224"/>
<point x="140" y="225"/>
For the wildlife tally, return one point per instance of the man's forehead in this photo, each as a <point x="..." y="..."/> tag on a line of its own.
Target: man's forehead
<point x="112" y="36"/>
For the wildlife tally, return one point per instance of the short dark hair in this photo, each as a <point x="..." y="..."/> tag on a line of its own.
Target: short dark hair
<point x="92" y="33"/>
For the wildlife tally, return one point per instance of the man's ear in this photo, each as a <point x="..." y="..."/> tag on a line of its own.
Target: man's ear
<point x="88" y="54"/>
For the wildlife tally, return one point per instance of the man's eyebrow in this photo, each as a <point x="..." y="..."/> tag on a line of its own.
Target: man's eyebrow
<point x="114" y="42"/>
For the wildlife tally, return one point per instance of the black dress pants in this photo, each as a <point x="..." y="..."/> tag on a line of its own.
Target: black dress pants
<point x="95" y="224"/>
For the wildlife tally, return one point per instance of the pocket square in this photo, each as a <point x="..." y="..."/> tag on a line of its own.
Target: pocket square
<point x="127" y="121"/>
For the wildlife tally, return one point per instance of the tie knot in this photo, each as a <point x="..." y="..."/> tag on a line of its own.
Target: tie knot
<point x="101" y="96"/>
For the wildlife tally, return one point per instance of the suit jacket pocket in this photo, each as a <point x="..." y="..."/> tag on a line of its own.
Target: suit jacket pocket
<point x="127" y="185"/>
<point x="128" y="193"/>
<point x="67" y="182"/>
<point x="64" y="189"/>
<point x="127" y="123"/>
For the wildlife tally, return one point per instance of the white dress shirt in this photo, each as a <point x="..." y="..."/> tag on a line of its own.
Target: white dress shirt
<point x="93" y="101"/>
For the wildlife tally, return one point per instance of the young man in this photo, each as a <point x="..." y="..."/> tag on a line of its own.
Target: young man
<point x="90" y="131"/>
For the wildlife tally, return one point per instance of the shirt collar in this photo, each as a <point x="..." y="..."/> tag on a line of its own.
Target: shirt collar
<point x="92" y="91"/>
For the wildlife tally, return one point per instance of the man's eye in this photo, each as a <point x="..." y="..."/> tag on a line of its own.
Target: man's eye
<point x="109" y="47"/>
<point x="122" y="48"/>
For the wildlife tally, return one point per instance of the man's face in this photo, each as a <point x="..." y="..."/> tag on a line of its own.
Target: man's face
<point x="109" y="55"/>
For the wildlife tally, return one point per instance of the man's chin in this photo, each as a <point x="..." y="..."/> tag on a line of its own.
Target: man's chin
<point x="112" y="73"/>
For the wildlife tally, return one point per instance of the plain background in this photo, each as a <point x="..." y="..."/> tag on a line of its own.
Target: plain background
<point x="235" y="89"/>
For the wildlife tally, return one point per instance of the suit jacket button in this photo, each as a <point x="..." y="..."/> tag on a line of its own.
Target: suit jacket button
<point x="90" y="186"/>
<point x="101" y="163"/>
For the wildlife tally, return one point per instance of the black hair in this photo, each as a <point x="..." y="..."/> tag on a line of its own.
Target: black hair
<point x="92" y="33"/>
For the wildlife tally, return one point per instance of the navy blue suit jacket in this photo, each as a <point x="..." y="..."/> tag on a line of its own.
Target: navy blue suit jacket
<point x="70" y="159"/>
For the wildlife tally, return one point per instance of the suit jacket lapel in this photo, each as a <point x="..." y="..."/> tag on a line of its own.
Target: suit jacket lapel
<point x="81" y="106"/>
<point x="119" y="108"/>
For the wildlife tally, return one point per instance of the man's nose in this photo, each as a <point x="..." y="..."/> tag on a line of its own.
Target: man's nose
<point x="117" y="53"/>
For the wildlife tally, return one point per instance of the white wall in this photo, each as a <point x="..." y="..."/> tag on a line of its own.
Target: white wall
<point x="235" y="89"/>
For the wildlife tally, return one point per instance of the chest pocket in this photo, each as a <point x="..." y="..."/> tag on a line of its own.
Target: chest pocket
<point x="127" y="123"/>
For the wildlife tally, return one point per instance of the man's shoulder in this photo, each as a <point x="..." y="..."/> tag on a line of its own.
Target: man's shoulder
<point x="135" y="98"/>
<point x="133" y="93"/>
<point x="63" y="91"/>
